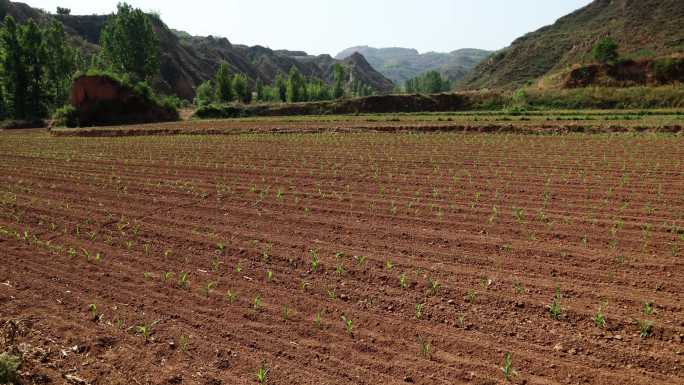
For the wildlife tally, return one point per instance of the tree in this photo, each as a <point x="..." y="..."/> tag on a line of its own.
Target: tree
<point x="241" y="88"/>
<point x="60" y="63"/>
<point x="34" y="58"/>
<point x="129" y="44"/>
<point x="63" y="11"/>
<point x="259" y="89"/>
<point x="605" y="51"/>
<point x="224" y="84"/>
<point x="338" y="86"/>
<point x="13" y="69"/>
<point x="205" y="94"/>
<point x="281" y="87"/>
<point x="296" y="87"/>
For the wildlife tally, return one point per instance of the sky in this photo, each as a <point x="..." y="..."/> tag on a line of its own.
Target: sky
<point x="329" y="26"/>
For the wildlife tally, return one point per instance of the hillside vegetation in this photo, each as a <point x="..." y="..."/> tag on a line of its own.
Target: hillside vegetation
<point x="642" y="29"/>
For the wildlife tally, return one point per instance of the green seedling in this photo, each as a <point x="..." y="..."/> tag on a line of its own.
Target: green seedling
<point x="183" y="280"/>
<point x="360" y="259"/>
<point x="470" y="296"/>
<point x="425" y="347"/>
<point x="315" y="260"/>
<point x="519" y="289"/>
<point x="507" y="368"/>
<point x="600" y="318"/>
<point x="348" y="325"/>
<point x="648" y="307"/>
<point x="207" y="288"/>
<point x="433" y="286"/>
<point x="317" y="318"/>
<point x="269" y="276"/>
<point x="257" y="303"/>
<point x="261" y="374"/>
<point x="94" y="315"/>
<point x="555" y="309"/>
<point x="419" y="310"/>
<point x="645" y="328"/>
<point x="145" y="331"/>
<point x="389" y="265"/>
<point x="402" y="281"/>
<point x="231" y="296"/>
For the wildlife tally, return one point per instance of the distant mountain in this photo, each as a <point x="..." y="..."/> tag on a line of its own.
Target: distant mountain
<point x="186" y="61"/>
<point x="642" y="28"/>
<point x="401" y="64"/>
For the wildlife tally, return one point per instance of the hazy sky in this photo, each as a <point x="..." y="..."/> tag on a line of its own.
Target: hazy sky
<point x="328" y="26"/>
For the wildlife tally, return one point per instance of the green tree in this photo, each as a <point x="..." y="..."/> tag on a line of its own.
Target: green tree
<point x="63" y="11"/>
<point x="34" y="58"/>
<point x="241" y="88"/>
<point x="129" y="44"/>
<point x="281" y="87"/>
<point x="60" y="64"/>
<point x="606" y="51"/>
<point x="296" y="87"/>
<point x="259" y="90"/>
<point x="338" y="86"/>
<point x="205" y="94"/>
<point x="224" y="84"/>
<point x="13" y="70"/>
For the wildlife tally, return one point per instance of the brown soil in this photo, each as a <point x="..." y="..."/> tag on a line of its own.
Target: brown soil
<point x="600" y="217"/>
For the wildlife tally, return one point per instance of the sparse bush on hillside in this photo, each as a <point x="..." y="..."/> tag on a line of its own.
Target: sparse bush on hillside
<point x="605" y="51"/>
<point x="9" y="365"/>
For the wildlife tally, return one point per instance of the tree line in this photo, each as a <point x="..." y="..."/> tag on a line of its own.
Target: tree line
<point x="228" y="86"/>
<point x="431" y="82"/>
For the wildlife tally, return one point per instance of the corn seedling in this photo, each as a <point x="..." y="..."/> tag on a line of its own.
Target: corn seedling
<point x="231" y="296"/>
<point x="183" y="280"/>
<point x="555" y="309"/>
<point x="433" y="286"/>
<point x="94" y="315"/>
<point x="145" y="331"/>
<point x="402" y="281"/>
<point x="648" y="307"/>
<point x="317" y="318"/>
<point x="425" y="347"/>
<point x="238" y="268"/>
<point x="339" y="269"/>
<point x="518" y="287"/>
<point x="470" y="296"/>
<point x="287" y="312"/>
<point x="419" y="310"/>
<point x="261" y="374"/>
<point x="461" y="321"/>
<point x="360" y="259"/>
<point x="257" y="303"/>
<point x="315" y="260"/>
<point x="348" y="325"/>
<point x="269" y="276"/>
<point x="165" y="276"/>
<point x="147" y="275"/>
<point x="645" y="328"/>
<point x="207" y="288"/>
<point x="389" y="265"/>
<point x="507" y="368"/>
<point x="600" y="318"/>
<point x="332" y="295"/>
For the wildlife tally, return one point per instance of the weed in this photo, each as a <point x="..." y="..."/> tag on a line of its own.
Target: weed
<point x="507" y="368"/>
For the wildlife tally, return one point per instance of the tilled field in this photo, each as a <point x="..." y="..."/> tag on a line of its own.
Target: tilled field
<point x="200" y="260"/>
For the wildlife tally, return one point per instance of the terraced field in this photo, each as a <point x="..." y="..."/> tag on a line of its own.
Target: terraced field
<point x="326" y="258"/>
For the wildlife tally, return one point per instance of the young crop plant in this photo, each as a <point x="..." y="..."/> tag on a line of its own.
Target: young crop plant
<point x="507" y="368"/>
<point x="238" y="268"/>
<point x="600" y="318"/>
<point x="165" y="276"/>
<point x="389" y="265"/>
<point x="287" y="312"/>
<point x="433" y="286"/>
<point x="183" y="280"/>
<point x="257" y="303"/>
<point x="269" y="276"/>
<point x="348" y="325"/>
<point x="207" y="288"/>
<point x="94" y="315"/>
<point x="555" y="309"/>
<point x="317" y="318"/>
<point x="648" y="308"/>
<point x="145" y="331"/>
<point x="339" y="269"/>
<point x="231" y="296"/>
<point x="518" y="287"/>
<point x="315" y="260"/>
<point x="645" y="328"/>
<point x="419" y="310"/>
<point x="332" y="295"/>
<point x="261" y="374"/>
<point x="402" y="281"/>
<point x="470" y="296"/>
<point x="360" y="259"/>
<point x="425" y="347"/>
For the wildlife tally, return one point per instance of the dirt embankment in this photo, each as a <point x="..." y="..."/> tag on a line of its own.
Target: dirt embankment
<point x="102" y="101"/>
<point x="628" y="73"/>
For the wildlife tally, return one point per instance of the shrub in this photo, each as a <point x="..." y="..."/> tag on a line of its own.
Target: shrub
<point x="9" y="365"/>
<point x="66" y="116"/>
<point x="605" y="51"/>
<point x="668" y="70"/>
